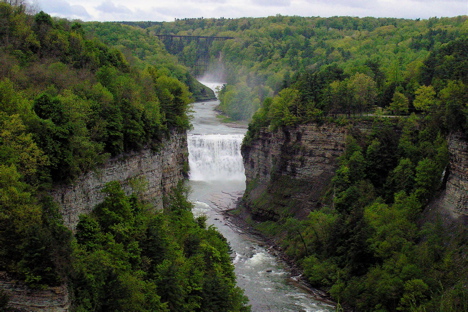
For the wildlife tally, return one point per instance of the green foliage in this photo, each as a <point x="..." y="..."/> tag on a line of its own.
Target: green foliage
<point x="237" y="101"/>
<point x="399" y="104"/>
<point x="30" y="238"/>
<point x="18" y="148"/>
<point x="276" y="52"/>
<point x="73" y="93"/>
<point x="369" y="247"/>
<point x="128" y="258"/>
<point x="142" y="48"/>
<point x="68" y="102"/>
<point x="425" y="98"/>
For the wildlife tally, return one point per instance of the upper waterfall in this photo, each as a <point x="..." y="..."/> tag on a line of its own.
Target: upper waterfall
<point x="215" y="157"/>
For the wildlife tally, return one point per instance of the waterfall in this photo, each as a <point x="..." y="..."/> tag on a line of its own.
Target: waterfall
<point x="215" y="157"/>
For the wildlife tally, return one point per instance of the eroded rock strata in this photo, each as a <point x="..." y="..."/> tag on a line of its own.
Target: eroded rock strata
<point x="23" y="298"/>
<point x="153" y="173"/>
<point x="289" y="170"/>
<point x="454" y="199"/>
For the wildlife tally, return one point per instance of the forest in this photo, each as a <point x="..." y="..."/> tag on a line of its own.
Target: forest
<point x="68" y="102"/>
<point x="370" y="58"/>
<point x="371" y="245"/>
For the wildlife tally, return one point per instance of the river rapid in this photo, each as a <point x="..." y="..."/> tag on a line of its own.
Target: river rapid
<point x="217" y="181"/>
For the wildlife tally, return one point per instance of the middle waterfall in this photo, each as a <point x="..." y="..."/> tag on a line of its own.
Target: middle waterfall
<point x="215" y="157"/>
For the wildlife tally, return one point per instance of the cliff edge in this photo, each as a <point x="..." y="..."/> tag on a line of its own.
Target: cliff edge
<point x="154" y="173"/>
<point x="289" y="170"/>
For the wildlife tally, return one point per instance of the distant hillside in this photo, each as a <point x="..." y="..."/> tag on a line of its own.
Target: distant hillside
<point x="142" y="48"/>
<point x="268" y="54"/>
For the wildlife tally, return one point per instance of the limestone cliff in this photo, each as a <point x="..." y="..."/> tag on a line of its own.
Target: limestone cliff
<point x="159" y="171"/>
<point x="23" y="298"/>
<point x="289" y="170"/>
<point x="453" y="202"/>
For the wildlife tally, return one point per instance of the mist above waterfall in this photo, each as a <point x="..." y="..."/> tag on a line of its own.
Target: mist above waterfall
<point x="216" y="73"/>
<point x="215" y="157"/>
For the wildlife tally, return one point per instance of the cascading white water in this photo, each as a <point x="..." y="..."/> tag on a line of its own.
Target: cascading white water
<point x="215" y="157"/>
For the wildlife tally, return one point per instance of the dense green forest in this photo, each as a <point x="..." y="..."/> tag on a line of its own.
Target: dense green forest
<point x="68" y="102"/>
<point x="74" y="94"/>
<point x="380" y="55"/>
<point x="127" y="258"/>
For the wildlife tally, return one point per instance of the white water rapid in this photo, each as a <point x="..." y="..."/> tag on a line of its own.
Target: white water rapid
<point x="217" y="180"/>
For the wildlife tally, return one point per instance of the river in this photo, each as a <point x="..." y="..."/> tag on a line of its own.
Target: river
<point x="217" y="180"/>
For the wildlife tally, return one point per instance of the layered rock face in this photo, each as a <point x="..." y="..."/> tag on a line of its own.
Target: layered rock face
<point x="454" y="200"/>
<point x="152" y="173"/>
<point x="288" y="171"/>
<point x="23" y="298"/>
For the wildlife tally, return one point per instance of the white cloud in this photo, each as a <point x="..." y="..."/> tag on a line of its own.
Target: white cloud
<point x="346" y="3"/>
<point x="208" y="1"/>
<point x="272" y="2"/>
<point x="64" y="8"/>
<point x="110" y="7"/>
<point x="163" y="10"/>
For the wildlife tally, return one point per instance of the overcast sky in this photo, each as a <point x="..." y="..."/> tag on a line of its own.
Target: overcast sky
<point x="168" y="10"/>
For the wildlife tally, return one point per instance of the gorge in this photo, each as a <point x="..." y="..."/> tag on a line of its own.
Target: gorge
<point x="353" y="167"/>
<point x="289" y="170"/>
<point x="217" y="182"/>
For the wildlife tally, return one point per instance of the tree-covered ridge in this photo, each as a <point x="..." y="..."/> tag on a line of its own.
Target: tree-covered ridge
<point x="142" y="48"/>
<point x="268" y="53"/>
<point x="371" y="244"/>
<point x="439" y="90"/>
<point x="79" y="99"/>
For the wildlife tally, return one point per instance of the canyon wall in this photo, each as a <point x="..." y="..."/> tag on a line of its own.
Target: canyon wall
<point x="288" y="171"/>
<point x="22" y="298"/>
<point x="453" y="202"/>
<point x="153" y="173"/>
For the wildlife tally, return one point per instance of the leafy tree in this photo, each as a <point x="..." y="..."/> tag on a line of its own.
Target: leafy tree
<point x="152" y="261"/>
<point x="364" y="89"/>
<point x="116" y="207"/>
<point x="282" y="108"/>
<point x="402" y="177"/>
<point x="18" y="148"/>
<point x="454" y="98"/>
<point x="427" y="177"/>
<point x="174" y="98"/>
<point x="425" y="98"/>
<point x="399" y="104"/>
